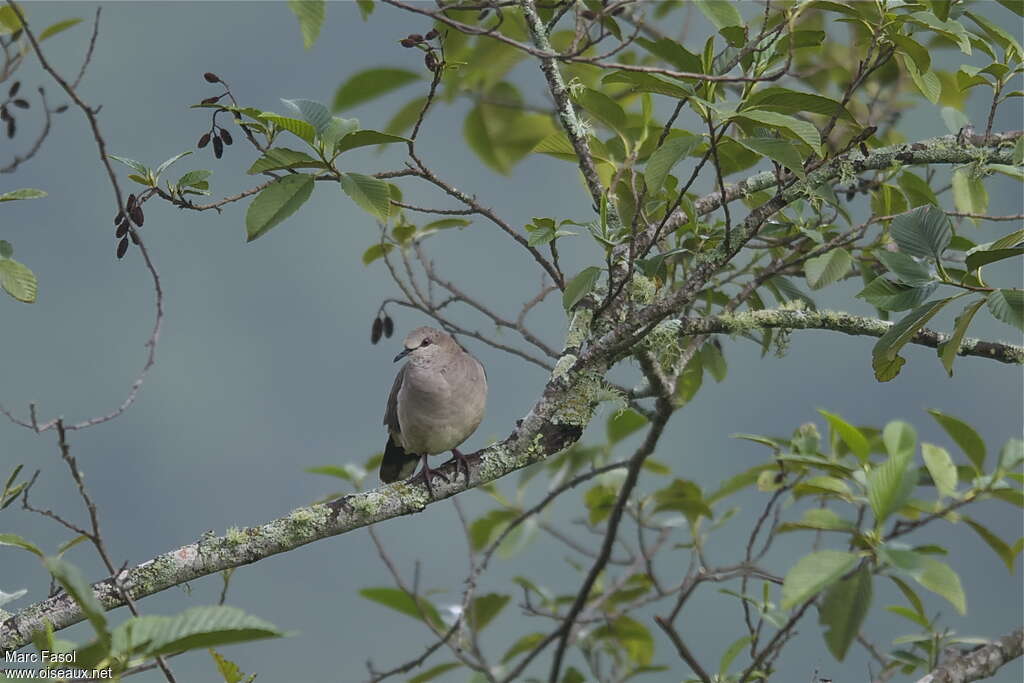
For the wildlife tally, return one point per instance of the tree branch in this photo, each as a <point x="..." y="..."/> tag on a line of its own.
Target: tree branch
<point x="981" y="663"/>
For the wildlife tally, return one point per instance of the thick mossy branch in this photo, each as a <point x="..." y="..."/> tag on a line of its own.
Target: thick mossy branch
<point x="981" y="663"/>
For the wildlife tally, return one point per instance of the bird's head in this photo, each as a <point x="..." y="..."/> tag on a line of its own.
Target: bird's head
<point x="424" y="344"/>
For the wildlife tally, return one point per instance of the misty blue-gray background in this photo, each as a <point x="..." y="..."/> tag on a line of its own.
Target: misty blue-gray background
<point x="265" y="368"/>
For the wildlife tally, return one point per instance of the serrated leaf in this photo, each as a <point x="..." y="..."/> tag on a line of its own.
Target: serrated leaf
<point x="18" y="280"/>
<point x="310" y="14"/>
<point x="786" y="101"/>
<point x="194" y="628"/>
<point x="730" y="654"/>
<point x="370" y="84"/>
<point x="926" y="81"/>
<point x="830" y="267"/>
<point x="941" y="468"/>
<point x="524" y="644"/>
<point x="814" y="572"/>
<point x="922" y="232"/>
<point x="885" y="354"/>
<point x="850" y="435"/>
<point x="721" y="13"/>
<point x="79" y="589"/>
<point x="665" y="157"/>
<point x="312" y="112"/>
<point x="648" y="83"/>
<point x="371" y="194"/>
<point x="916" y="189"/>
<point x="965" y="437"/>
<point x="194" y="178"/>
<point x="779" y="150"/>
<point x="630" y="635"/>
<point x="713" y="361"/>
<point x="1007" y="305"/>
<point x="886" y="295"/>
<point x="131" y="163"/>
<point x="277" y="158"/>
<point x="889" y="486"/>
<point x="303" y="130"/>
<point x="909" y="271"/>
<point x="376" y="251"/>
<point x="165" y="165"/>
<point x="579" y="286"/>
<point x="977" y="259"/>
<point x="802" y="129"/>
<point x="948" y="349"/>
<point x="276" y="202"/>
<point x="364" y="138"/>
<point x="603" y="108"/>
<point x="843" y="609"/>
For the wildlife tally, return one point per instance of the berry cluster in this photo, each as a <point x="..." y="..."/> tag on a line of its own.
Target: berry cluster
<point x="434" y="55"/>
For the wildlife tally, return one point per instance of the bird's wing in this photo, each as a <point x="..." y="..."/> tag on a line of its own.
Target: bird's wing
<point x="391" y="412"/>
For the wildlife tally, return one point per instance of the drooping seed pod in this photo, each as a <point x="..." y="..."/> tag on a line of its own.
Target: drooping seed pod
<point x="405" y="42"/>
<point x="21" y="104"/>
<point x="122" y="247"/>
<point x="132" y="200"/>
<point x="4" y="114"/>
<point x="375" y="330"/>
<point x="203" y="141"/>
<point x="122" y="230"/>
<point x="11" y="128"/>
<point x="218" y="147"/>
<point x="431" y="34"/>
<point x="430" y="60"/>
<point x="415" y="37"/>
<point x="15" y="87"/>
<point x="137" y="216"/>
<point x="211" y="77"/>
<point x="134" y="235"/>
<point x="61" y="109"/>
<point x="389" y="326"/>
<point x="211" y="100"/>
<point x="119" y="218"/>
<point x="226" y="136"/>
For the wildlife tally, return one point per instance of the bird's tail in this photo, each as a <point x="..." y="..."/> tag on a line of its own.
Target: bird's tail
<point x="397" y="464"/>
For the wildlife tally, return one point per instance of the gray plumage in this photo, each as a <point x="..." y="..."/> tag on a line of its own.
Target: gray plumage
<point x="437" y="401"/>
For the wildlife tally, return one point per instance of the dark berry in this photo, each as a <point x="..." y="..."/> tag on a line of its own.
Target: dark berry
<point x="431" y="34"/>
<point x="14" y="89"/>
<point x="225" y="136"/>
<point x="211" y="100"/>
<point x="218" y="147"/>
<point x="389" y="326"/>
<point x="204" y="141"/>
<point x="211" y="77"/>
<point x="122" y="247"/>
<point x="376" y="330"/>
<point x="21" y="104"/>
<point x="137" y="217"/>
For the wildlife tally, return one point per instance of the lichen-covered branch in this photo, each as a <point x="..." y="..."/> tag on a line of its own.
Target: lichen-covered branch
<point x="839" y="322"/>
<point x="981" y="663"/>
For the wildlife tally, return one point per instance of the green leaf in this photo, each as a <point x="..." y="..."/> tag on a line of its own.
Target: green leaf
<point x="336" y="129"/>
<point x="889" y="486"/>
<point x="909" y="271"/>
<point x="524" y="644"/>
<point x="297" y="127"/>
<point x="998" y="545"/>
<point x="604" y="109"/>
<point x="484" y="608"/>
<point x="581" y="285"/>
<point x="899" y="439"/>
<point x="276" y="202"/>
<point x="821" y="519"/>
<point x="502" y="136"/>
<point x="948" y="349"/>
<point x="814" y="572"/>
<point x="194" y="628"/>
<point x="228" y="670"/>
<point x="630" y="635"/>
<point x="371" y="194"/>
<point x="721" y="13"/>
<point x="623" y="423"/>
<point x="778" y="150"/>
<point x="19" y="542"/>
<point x="851" y="436"/>
<point x="6" y="249"/>
<point x="895" y="296"/>
<point x="885" y="354"/>
<point x="786" y="101"/>
<point x="941" y="468"/>
<point x="277" y="158"/>
<point x="802" y="129"/>
<point x="916" y="189"/>
<point x="830" y="267"/>
<point x="922" y="232"/>
<point x="312" y="112"/>
<point x="310" y="14"/>
<point x="665" y="157"/>
<point x="79" y="589"/>
<point x="730" y="654"/>
<point x="165" y="165"/>
<point x="364" y="138"/>
<point x="18" y="280"/>
<point x="843" y="610"/>
<point x="683" y="496"/>
<point x="26" y="193"/>
<point x="195" y="178"/>
<point x="648" y="83"/>
<point x="983" y="257"/>
<point x="1007" y="305"/>
<point x="965" y="437"/>
<point x="434" y="671"/>
<point x="713" y="361"/>
<point x="420" y="609"/>
<point x="58" y="27"/>
<point x="969" y="193"/>
<point x="370" y="84"/>
<point x="136" y="166"/>
<point x="600" y="501"/>
<point x="926" y="81"/>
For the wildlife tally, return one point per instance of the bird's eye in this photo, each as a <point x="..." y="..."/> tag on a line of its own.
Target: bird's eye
<point x="426" y="342"/>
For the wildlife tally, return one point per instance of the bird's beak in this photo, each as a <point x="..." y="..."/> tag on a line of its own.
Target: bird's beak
<point x="403" y="354"/>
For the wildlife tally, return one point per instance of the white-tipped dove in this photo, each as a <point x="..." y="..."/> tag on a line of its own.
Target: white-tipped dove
<point x="436" y="403"/>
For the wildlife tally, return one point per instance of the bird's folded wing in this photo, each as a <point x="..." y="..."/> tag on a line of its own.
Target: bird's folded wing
<point x="391" y="412"/>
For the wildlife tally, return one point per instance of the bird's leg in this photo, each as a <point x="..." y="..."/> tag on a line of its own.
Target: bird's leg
<point x="460" y="461"/>
<point x="426" y="472"/>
